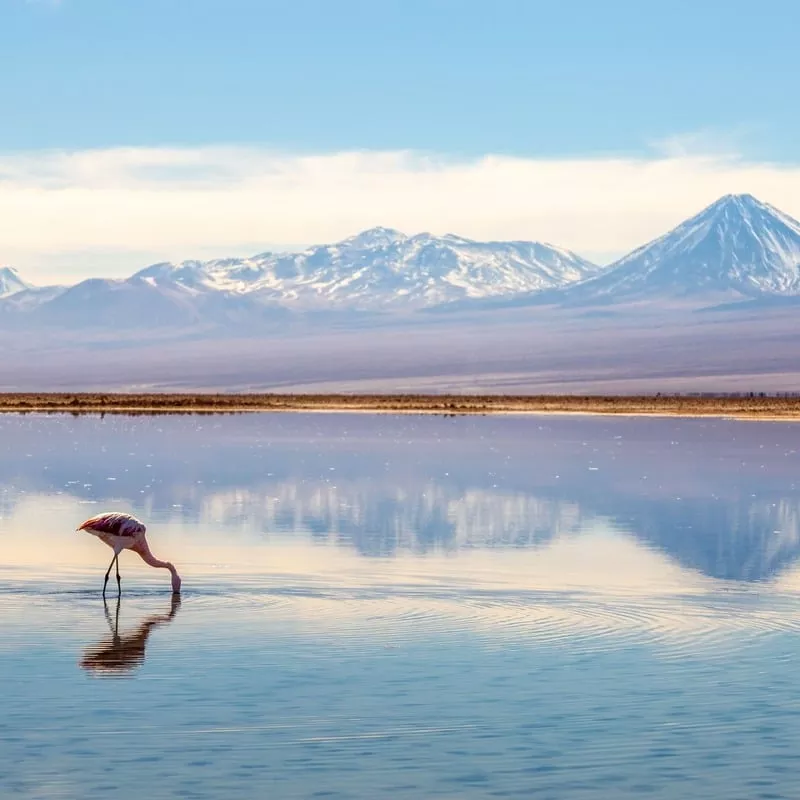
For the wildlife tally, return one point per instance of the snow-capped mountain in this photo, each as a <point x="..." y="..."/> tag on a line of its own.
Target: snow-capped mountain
<point x="378" y="270"/>
<point x="10" y="282"/>
<point x="736" y="247"/>
<point x="382" y="269"/>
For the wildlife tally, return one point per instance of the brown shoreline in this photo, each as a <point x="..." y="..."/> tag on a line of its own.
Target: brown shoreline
<point x="739" y="406"/>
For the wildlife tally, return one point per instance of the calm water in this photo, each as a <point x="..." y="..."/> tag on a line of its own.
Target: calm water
<point x="404" y="607"/>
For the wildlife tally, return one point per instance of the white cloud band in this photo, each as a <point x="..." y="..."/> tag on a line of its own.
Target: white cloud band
<point x="180" y="202"/>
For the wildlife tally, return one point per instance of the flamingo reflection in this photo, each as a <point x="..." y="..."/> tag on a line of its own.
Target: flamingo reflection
<point x="122" y="653"/>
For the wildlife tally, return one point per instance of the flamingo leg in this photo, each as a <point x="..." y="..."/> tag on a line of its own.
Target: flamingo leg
<point x="108" y="572"/>
<point x="119" y="584"/>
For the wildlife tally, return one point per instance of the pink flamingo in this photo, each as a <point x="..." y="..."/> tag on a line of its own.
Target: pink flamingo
<point x="124" y="532"/>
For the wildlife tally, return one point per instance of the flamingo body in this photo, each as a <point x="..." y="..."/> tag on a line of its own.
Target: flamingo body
<point x="119" y="531"/>
<point x="124" y="532"/>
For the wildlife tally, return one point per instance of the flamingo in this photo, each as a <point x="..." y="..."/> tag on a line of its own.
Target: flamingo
<point x="124" y="532"/>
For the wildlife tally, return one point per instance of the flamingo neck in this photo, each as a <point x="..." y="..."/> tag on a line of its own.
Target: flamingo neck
<point x="151" y="560"/>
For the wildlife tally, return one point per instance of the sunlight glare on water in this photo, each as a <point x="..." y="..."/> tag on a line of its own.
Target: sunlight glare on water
<point x="401" y="606"/>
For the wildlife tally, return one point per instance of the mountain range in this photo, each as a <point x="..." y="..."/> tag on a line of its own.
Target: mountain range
<point x="736" y="249"/>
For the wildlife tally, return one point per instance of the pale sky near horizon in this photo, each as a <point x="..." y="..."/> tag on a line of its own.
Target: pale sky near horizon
<point x="137" y="131"/>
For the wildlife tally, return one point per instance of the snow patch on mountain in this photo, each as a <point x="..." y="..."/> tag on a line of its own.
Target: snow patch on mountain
<point x="11" y="282"/>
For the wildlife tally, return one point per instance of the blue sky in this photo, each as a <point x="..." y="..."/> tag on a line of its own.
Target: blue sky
<point x="465" y="77"/>
<point x="459" y="81"/>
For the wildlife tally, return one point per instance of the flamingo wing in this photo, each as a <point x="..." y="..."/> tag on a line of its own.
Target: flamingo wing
<point x="114" y="523"/>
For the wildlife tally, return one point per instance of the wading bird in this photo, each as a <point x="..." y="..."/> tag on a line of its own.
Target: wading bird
<point x="124" y="532"/>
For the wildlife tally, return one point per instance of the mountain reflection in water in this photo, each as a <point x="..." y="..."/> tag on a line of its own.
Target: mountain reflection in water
<point x="716" y="496"/>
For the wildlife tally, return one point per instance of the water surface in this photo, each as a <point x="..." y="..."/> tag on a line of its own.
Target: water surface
<point x="402" y="606"/>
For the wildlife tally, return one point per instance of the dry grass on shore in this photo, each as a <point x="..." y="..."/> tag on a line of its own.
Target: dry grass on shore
<point x="750" y="406"/>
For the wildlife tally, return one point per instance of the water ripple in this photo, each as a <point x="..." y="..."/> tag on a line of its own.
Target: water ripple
<point x="677" y="624"/>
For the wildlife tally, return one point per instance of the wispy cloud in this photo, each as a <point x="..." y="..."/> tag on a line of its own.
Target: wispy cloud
<point x="180" y="202"/>
<point x="730" y="143"/>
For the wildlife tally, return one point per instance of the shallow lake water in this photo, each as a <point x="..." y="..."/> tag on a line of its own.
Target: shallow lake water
<point x="402" y="606"/>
